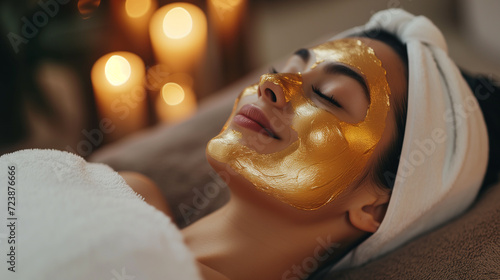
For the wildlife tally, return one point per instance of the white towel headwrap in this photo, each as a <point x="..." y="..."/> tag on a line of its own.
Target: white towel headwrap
<point x="445" y="148"/>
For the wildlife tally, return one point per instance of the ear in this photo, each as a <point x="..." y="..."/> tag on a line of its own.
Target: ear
<point x="368" y="208"/>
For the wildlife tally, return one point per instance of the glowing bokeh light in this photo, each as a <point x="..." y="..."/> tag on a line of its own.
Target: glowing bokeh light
<point x="137" y="8"/>
<point x="117" y="70"/>
<point x="172" y="94"/>
<point x="177" y="23"/>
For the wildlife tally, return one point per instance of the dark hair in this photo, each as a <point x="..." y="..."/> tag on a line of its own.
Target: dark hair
<point x="487" y="92"/>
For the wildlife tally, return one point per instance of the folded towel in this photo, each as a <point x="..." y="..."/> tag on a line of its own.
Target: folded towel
<point x="69" y="219"/>
<point x="445" y="148"/>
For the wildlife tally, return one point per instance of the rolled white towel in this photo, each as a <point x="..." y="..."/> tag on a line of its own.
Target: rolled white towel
<point x="77" y="220"/>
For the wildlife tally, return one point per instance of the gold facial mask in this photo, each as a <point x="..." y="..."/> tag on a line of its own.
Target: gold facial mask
<point x="329" y="154"/>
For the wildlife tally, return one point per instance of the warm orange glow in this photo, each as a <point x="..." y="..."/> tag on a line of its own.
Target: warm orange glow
<point x="175" y="103"/>
<point x="157" y="76"/>
<point x="117" y="70"/>
<point x="227" y="17"/>
<point x="120" y="96"/>
<point x="87" y="7"/>
<point x="137" y="8"/>
<point x="172" y="94"/>
<point x="177" y="23"/>
<point x="182" y="79"/>
<point x="225" y="6"/>
<point x="178" y="34"/>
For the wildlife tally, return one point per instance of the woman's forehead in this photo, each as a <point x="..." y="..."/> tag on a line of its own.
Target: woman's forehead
<point x="346" y="51"/>
<point x="350" y="51"/>
<point x="396" y="70"/>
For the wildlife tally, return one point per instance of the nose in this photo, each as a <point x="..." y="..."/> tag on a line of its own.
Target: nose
<point x="272" y="93"/>
<point x="271" y="89"/>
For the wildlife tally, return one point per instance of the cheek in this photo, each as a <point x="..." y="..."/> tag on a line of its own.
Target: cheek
<point x="325" y="139"/>
<point x="319" y="133"/>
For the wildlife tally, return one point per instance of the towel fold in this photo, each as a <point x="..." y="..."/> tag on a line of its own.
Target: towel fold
<point x="445" y="148"/>
<point x="70" y="219"/>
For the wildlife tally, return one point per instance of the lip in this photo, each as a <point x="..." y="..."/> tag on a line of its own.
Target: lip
<point x="253" y="118"/>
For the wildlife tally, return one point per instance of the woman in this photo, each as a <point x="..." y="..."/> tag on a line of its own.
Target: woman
<point x="320" y="172"/>
<point x="355" y="147"/>
<point x="333" y="205"/>
<point x="311" y="155"/>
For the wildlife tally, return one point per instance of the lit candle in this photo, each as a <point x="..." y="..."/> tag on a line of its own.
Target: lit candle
<point x="139" y="9"/>
<point x="178" y="34"/>
<point x="227" y="18"/>
<point x="134" y="16"/>
<point x="117" y="79"/>
<point x="175" y="103"/>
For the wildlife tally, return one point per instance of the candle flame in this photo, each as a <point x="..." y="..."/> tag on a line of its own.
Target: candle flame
<point x="137" y="8"/>
<point x="177" y="23"/>
<point x="172" y="94"/>
<point x="117" y="70"/>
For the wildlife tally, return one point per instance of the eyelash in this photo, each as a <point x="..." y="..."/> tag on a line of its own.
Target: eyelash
<point x="326" y="97"/>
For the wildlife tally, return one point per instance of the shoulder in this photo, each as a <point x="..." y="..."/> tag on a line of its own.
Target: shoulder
<point x="148" y="190"/>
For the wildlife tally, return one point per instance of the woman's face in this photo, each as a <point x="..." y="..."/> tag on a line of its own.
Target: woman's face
<point x="305" y="134"/>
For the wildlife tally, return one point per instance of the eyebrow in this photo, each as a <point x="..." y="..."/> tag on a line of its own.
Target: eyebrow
<point x="335" y="68"/>
<point x="304" y="54"/>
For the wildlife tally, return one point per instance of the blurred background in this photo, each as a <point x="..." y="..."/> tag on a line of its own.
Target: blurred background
<point x="78" y="75"/>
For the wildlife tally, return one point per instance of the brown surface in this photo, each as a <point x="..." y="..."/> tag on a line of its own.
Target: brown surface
<point x="466" y="248"/>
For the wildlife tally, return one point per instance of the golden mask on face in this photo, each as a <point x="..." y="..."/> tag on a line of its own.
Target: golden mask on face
<point x="329" y="154"/>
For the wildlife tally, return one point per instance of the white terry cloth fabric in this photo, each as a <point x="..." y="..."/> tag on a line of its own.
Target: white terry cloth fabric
<point x="79" y="220"/>
<point x="445" y="148"/>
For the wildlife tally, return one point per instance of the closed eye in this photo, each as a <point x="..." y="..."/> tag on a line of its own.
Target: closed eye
<point x="330" y="99"/>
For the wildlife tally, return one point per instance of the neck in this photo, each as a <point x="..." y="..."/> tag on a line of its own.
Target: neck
<point x="249" y="240"/>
